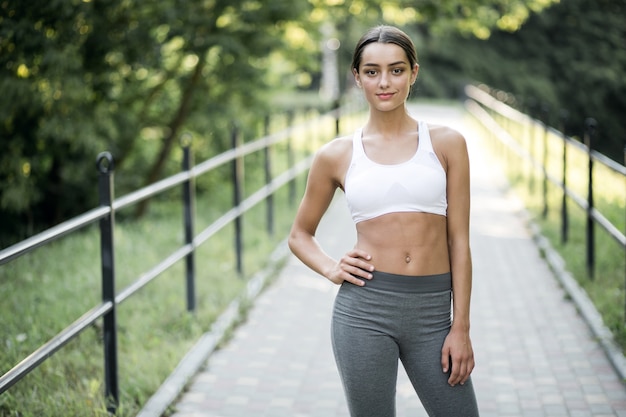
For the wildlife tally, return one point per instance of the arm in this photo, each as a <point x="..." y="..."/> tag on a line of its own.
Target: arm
<point x="322" y="183"/>
<point x="458" y="346"/>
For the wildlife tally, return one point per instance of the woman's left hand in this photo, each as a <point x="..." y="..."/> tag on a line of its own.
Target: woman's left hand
<point x="457" y="356"/>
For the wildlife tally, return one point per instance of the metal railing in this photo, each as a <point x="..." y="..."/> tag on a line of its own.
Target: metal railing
<point x="496" y="117"/>
<point x="105" y="216"/>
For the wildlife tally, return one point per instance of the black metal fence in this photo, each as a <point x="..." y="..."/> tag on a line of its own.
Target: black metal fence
<point x="105" y="216"/>
<point x="534" y="152"/>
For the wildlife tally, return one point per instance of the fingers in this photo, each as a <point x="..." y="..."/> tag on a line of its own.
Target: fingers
<point x="460" y="372"/>
<point x="445" y="362"/>
<point x="354" y="267"/>
<point x="460" y="369"/>
<point x="459" y="365"/>
<point x="358" y="258"/>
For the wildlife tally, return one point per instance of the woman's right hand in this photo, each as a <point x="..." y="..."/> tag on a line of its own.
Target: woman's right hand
<point x="353" y="267"/>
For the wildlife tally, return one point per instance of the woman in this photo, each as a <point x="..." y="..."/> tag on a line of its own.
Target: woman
<point x="407" y="187"/>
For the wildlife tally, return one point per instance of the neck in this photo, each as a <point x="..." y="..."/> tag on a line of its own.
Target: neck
<point x="391" y="123"/>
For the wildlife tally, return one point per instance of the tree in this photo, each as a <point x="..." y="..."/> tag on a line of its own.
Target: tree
<point x="570" y="57"/>
<point x="43" y="92"/>
<point x="84" y="76"/>
<point x="128" y="76"/>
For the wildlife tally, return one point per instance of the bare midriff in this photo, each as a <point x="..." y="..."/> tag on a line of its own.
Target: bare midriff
<point x="406" y="243"/>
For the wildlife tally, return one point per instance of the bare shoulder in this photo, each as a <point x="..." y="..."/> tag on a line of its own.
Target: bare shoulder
<point x="444" y="137"/>
<point x="333" y="158"/>
<point x="449" y="145"/>
<point x="336" y="149"/>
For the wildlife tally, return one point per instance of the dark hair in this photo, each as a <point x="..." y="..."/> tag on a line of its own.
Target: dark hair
<point x="385" y="34"/>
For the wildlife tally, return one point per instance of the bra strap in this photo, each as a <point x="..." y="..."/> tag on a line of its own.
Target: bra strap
<point x="357" y="143"/>
<point x="425" y="143"/>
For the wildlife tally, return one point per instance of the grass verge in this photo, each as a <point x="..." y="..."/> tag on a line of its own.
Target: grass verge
<point x="50" y="288"/>
<point x="606" y="286"/>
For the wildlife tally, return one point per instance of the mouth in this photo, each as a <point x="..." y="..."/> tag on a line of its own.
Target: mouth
<point x="384" y="96"/>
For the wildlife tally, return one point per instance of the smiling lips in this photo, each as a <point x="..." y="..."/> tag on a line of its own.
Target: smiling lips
<point x="385" y="96"/>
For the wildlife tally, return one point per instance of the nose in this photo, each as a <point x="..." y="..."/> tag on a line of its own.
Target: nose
<point x="384" y="80"/>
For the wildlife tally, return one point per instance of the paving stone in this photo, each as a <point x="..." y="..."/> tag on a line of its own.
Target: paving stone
<point x="535" y="355"/>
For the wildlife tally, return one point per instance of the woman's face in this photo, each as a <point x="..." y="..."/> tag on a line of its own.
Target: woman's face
<point x="385" y="75"/>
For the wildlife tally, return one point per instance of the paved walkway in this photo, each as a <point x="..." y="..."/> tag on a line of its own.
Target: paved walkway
<point x="535" y="355"/>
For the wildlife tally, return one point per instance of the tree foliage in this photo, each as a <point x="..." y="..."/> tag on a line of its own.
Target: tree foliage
<point x="79" y="77"/>
<point x="569" y="59"/>
<point x="128" y="76"/>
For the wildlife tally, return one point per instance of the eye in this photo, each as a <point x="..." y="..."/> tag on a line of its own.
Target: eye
<point x="370" y="72"/>
<point x="397" y="71"/>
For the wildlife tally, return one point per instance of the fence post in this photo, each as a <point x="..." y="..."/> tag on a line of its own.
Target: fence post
<point x="337" y="104"/>
<point x="312" y="145"/>
<point x="590" y="128"/>
<point x="531" y="147"/>
<point x="564" y="214"/>
<point x="237" y="173"/>
<point x="291" y="160"/>
<point x="106" y="166"/>
<point x="268" y="178"/>
<point x="545" y="110"/>
<point x="188" y="222"/>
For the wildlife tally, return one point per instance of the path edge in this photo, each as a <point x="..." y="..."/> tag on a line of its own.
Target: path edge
<point x="579" y="297"/>
<point x="196" y="357"/>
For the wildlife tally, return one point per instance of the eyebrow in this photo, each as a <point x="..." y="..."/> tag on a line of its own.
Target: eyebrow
<point x="391" y="65"/>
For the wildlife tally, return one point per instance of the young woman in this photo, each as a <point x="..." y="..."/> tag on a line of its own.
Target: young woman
<point x="407" y="187"/>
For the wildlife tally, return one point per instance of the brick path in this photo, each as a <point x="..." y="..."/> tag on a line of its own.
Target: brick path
<point x="535" y="354"/>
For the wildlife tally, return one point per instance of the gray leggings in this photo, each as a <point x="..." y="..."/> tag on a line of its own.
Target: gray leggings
<point x="396" y="317"/>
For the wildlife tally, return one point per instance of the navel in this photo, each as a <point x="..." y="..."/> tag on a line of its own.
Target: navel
<point x="407" y="258"/>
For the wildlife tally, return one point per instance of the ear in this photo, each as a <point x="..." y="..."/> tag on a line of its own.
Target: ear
<point x="414" y="73"/>
<point x="357" y="77"/>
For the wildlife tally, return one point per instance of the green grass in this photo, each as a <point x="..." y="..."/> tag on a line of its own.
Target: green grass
<point x="606" y="287"/>
<point x="49" y="289"/>
<point x="44" y="291"/>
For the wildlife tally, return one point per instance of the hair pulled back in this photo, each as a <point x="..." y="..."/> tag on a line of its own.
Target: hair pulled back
<point x="384" y="34"/>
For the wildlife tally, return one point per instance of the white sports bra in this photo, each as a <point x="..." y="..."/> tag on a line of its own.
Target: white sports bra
<point x="417" y="185"/>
